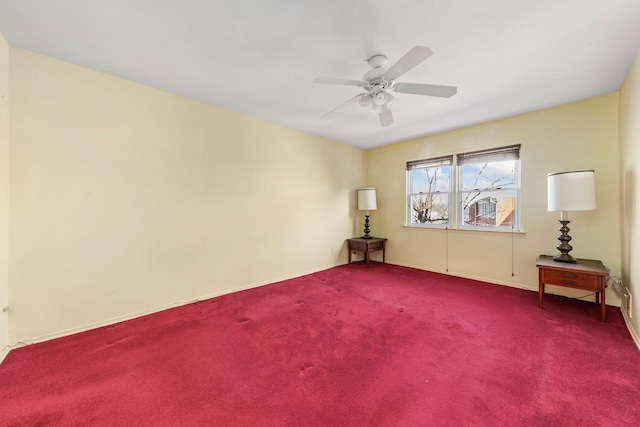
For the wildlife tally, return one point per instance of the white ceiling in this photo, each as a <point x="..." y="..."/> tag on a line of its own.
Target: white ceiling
<point x="259" y="57"/>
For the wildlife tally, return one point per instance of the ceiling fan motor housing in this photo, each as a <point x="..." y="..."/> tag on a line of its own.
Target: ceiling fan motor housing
<point x="375" y="77"/>
<point x="377" y="81"/>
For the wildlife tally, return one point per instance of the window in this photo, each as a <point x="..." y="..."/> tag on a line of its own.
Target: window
<point x="487" y="190"/>
<point x="429" y="195"/>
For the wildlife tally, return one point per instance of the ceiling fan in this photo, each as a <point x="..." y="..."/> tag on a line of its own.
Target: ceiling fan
<point x="379" y="80"/>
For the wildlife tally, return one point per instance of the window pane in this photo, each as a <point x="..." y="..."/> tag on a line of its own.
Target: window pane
<point x="489" y="208"/>
<point x="487" y="176"/>
<point x="430" y="208"/>
<point x="430" y="180"/>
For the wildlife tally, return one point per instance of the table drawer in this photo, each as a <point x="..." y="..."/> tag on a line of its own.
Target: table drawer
<point x="571" y="279"/>
<point x="375" y="246"/>
<point x="358" y="246"/>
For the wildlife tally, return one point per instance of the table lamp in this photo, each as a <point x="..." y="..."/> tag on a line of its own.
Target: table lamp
<point x="367" y="202"/>
<point x="569" y="191"/>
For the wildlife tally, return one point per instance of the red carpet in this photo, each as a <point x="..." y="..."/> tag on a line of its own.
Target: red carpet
<point x="349" y="346"/>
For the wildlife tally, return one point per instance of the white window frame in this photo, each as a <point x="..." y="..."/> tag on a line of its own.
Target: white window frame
<point x="456" y="216"/>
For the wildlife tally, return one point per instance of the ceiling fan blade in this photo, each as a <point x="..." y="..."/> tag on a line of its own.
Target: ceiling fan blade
<point x="334" y="81"/>
<point x="423" y="89"/>
<point x="386" y="118"/>
<point x="344" y="104"/>
<point x="408" y="61"/>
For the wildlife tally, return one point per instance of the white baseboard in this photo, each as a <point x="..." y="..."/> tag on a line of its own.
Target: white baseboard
<point x="473" y="277"/>
<point x="4" y="352"/>
<point x="114" y="320"/>
<point x="632" y="332"/>
<point x="107" y="322"/>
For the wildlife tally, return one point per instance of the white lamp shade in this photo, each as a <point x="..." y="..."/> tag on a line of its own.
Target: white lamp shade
<point x="571" y="191"/>
<point x="367" y="199"/>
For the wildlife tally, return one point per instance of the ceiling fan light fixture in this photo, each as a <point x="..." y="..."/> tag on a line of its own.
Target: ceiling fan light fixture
<point x="366" y="100"/>
<point x="380" y="98"/>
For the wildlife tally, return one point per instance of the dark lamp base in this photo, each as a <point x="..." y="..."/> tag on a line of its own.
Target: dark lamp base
<point x="564" y="247"/>
<point x="366" y="228"/>
<point x="564" y="258"/>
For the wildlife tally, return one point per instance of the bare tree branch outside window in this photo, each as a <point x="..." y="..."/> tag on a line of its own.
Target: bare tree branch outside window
<point x="490" y="199"/>
<point x="431" y="205"/>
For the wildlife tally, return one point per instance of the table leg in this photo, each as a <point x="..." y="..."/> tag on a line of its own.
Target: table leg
<point x="603" y="307"/>
<point x="540" y="288"/>
<point x="367" y="256"/>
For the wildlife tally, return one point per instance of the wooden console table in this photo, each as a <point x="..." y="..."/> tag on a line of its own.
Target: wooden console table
<point x="585" y="274"/>
<point x="366" y="246"/>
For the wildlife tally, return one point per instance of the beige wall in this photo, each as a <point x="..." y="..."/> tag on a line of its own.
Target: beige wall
<point x="4" y="192"/>
<point x="630" y="170"/>
<point x="126" y="199"/>
<point x="580" y="135"/>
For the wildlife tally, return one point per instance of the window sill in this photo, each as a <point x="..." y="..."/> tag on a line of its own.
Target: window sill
<point x="464" y="230"/>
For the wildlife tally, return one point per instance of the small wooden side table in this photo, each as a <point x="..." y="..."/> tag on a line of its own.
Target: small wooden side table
<point x="585" y="274"/>
<point x="366" y="246"/>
